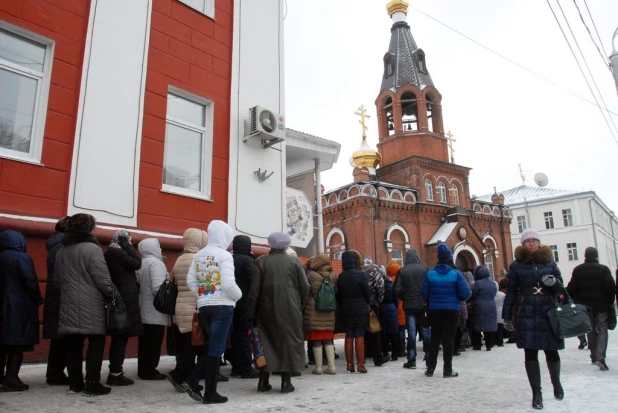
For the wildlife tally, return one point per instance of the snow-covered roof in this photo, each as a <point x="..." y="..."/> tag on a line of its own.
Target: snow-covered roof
<point x="530" y="193"/>
<point x="443" y="232"/>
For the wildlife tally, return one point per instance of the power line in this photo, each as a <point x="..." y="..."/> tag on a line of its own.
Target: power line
<point x="603" y="57"/>
<point x="578" y="64"/>
<point x="509" y="60"/>
<point x="595" y="28"/>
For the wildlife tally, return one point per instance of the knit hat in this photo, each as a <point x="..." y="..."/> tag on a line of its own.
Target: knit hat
<point x="444" y="253"/>
<point x="529" y="234"/>
<point x="279" y="241"/>
<point x="81" y="224"/>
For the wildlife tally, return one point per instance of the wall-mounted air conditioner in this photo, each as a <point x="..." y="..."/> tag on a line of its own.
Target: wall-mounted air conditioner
<point x="266" y="125"/>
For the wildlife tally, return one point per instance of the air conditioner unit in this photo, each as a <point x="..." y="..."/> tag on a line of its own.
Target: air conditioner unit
<point x="266" y="125"/>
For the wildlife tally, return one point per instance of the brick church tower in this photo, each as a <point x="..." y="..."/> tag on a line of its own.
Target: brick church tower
<point x="417" y="196"/>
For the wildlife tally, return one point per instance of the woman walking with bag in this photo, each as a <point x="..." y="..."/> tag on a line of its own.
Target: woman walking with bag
<point x="532" y="289"/>
<point x="122" y="262"/>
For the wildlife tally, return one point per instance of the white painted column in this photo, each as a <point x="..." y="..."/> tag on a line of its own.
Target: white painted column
<point x="318" y="206"/>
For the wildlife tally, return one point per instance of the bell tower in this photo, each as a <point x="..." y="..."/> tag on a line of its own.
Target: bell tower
<point x="409" y="107"/>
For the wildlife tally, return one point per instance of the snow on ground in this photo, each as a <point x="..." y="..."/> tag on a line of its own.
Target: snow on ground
<point x="488" y="381"/>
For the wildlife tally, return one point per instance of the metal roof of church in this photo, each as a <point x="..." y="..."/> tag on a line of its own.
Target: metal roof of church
<point x="530" y="193"/>
<point x="406" y="70"/>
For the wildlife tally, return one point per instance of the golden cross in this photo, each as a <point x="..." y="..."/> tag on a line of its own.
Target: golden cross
<point x="449" y="135"/>
<point x="362" y="112"/>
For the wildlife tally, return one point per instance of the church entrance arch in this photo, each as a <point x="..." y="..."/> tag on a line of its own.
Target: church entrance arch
<point x="465" y="257"/>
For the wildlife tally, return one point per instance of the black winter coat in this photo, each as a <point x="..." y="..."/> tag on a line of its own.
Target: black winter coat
<point x="20" y="296"/>
<point x="244" y="267"/>
<point x="532" y="328"/>
<point x="409" y="283"/>
<point x="389" y="320"/>
<point x="353" y="293"/>
<point x="51" y="308"/>
<point x="122" y="264"/>
<point x="592" y="284"/>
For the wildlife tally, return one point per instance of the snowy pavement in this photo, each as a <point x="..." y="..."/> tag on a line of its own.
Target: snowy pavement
<point x="488" y="382"/>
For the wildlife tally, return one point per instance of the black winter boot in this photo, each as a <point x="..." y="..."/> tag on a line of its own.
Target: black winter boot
<point x="286" y="383"/>
<point x="210" y="382"/>
<point x="554" y="374"/>
<point x="263" y="384"/>
<point x="534" y="377"/>
<point x="11" y="381"/>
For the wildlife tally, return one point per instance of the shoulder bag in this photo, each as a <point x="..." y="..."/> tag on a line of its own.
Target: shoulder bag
<point x="165" y="300"/>
<point x="374" y="322"/>
<point x="611" y="317"/>
<point x="198" y="334"/>
<point x="569" y="320"/>
<point x="116" y="315"/>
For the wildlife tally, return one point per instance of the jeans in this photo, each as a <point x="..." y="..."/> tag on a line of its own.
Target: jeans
<point x="413" y="319"/>
<point x="217" y="320"/>
<point x="355" y="332"/>
<point x="597" y="338"/>
<point x="117" y="352"/>
<point x="241" y="353"/>
<point x="443" y="326"/>
<point x="149" y="350"/>
<point x="74" y="345"/>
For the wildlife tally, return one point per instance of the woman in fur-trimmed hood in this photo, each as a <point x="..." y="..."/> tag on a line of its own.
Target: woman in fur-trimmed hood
<point x="534" y="282"/>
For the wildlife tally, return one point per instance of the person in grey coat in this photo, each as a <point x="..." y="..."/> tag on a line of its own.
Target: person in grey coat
<point x="85" y="285"/>
<point x="483" y="298"/>
<point x="152" y="274"/>
<point x="277" y="297"/>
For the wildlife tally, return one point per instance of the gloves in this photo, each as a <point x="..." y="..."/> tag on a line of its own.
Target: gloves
<point x="508" y="325"/>
<point x="548" y="280"/>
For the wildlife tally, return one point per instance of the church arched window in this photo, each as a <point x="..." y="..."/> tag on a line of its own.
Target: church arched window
<point x="454" y="192"/>
<point x="389" y="65"/>
<point x="409" y="111"/>
<point x="441" y="192"/>
<point x="428" y="190"/>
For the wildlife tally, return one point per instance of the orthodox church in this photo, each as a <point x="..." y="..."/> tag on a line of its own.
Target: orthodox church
<point x="408" y="193"/>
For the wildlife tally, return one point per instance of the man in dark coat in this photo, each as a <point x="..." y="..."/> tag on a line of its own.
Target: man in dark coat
<point x="56" y="359"/>
<point x="278" y="294"/>
<point x="243" y="272"/>
<point x="408" y="288"/>
<point x="20" y="298"/>
<point x="592" y="284"/>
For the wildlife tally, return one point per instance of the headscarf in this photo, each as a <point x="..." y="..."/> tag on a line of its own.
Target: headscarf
<point x="119" y="236"/>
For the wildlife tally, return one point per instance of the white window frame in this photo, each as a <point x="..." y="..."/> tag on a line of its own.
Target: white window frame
<point x="554" y="249"/>
<point x="522" y="223"/>
<point x="489" y="263"/>
<point x="549" y="220"/>
<point x="209" y="8"/>
<point x="207" y="143"/>
<point x="429" y="190"/>
<point x="441" y="188"/>
<point x="398" y="260"/>
<point x="567" y="217"/>
<point x="572" y="251"/>
<point x="42" y="93"/>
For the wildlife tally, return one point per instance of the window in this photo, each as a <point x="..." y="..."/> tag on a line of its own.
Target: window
<point x="567" y="217"/>
<point x="397" y="256"/>
<point x="549" y="220"/>
<point x="554" y="248"/>
<point x="389" y="65"/>
<point x="422" y="67"/>
<point x="454" y="194"/>
<point x="442" y="192"/>
<point x="489" y="263"/>
<point x="206" y="7"/>
<point x="572" y="250"/>
<point x="187" y="162"/>
<point x="428" y="190"/>
<point x="25" y="66"/>
<point x="521" y="223"/>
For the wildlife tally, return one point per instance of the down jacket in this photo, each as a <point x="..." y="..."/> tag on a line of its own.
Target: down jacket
<point x="122" y="264"/>
<point x="532" y="327"/>
<point x="444" y="287"/>
<point x="243" y="269"/>
<point x="85" y="285"/>
<point x="409" y="283"/>
<point x="388" y="309"/>
<point x="353" y="293"/>
<point x="152" y="274"/>
<point x="376" y="283"/>
<point x="592" y="284"/>
<point x="193" y="240"/>
<point x="51" y="307"/>
<point x="317" y="320"/>
<point x="19" y="293"/>
<point x="483" y="295"/>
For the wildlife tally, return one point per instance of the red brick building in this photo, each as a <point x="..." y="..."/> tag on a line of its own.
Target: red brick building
<point x="417" y="197"/>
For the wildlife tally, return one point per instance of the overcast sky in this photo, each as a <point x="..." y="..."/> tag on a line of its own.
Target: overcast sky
<point x="500" y="114"/>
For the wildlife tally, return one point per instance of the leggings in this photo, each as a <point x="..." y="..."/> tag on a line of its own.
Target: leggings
<point x="319" y="343"/>
<point x="533" y="355"/>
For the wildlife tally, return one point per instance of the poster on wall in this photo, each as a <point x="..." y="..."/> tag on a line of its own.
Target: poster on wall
<point x="299" y="217"/>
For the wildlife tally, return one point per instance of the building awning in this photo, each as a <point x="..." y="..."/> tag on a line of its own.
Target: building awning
<point x="303" y="149"/>
<point x="443" y="233"/>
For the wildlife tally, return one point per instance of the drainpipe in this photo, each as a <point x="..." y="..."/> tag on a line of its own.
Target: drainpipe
<point x="376" y="215"/>
<point x="318" y="206"/>
<point x="527" y="213"/>
<point x="613" y="217"/>
<point x="504" y="255"/>
<point x="594" y="223"/>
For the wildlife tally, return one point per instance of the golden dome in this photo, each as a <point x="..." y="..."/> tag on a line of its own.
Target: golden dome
<point x="365" y="157"/>
<point x="397" y="5"/>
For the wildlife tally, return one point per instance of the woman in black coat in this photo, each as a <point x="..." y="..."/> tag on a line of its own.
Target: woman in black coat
<point x="353" y="299"/>
<point x="20" y="298"/>
<point x="534" y="283"/>
<point x="485" y="319"/>
<point x="122" y="262"/>
<point x="56" y="359"/>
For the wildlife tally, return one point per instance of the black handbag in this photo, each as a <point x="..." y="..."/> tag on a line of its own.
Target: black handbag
<point x="165" y="300"/>
<point x="569" y="320"/>
<point x="116" y="315"/>
<point x="611" y="318"/>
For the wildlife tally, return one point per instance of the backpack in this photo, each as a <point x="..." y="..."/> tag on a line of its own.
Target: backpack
<point x="325" y="299"/>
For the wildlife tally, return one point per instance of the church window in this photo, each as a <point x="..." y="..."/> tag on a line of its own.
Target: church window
<point x="428" y="190"/>
<point x="442" y="192"/>
<point x="397" y="256"/>
<point x="454" y="192"/>
<point x="422" y="67"/>
<point x="389" y="65"/>
<point x="409" y="111"/>
<point x="388" y="114"/>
